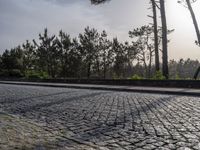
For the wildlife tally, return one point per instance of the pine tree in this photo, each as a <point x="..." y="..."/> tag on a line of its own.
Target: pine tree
<point x="47" y="53"/>
<point x="156" y="44"/>
<point x="89" y="46"/>
<point x="164" y="40"/>
<point x="106" y="52"/>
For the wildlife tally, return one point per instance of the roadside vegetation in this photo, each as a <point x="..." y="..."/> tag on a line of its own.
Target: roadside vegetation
<point x="92" y="54"/>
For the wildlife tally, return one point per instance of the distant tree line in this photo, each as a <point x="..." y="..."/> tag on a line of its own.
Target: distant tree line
<point x="90" y="55"/>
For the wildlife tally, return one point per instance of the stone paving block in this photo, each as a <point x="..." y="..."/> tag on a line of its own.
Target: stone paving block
<point x="88" y="119"/>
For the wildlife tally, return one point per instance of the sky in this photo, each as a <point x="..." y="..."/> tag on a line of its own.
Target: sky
<point x="22" y="20"/>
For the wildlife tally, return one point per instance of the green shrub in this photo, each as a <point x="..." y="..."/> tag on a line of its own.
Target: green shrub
<point x="158" y="76"/>
<point x="44" y="75"/>
<point x="136" y="77"/>
<point x="31" y="74"/>
<point x="11" y="73"/>
<point x="15" y="73"/>
<point x="177" y="77"/>
<point x="3" y="73"/>
<point x="115" y="77"/>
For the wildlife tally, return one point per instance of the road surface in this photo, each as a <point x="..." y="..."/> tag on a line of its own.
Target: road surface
<point x="33" y="117"/>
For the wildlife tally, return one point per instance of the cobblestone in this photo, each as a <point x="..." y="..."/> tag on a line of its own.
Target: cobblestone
<point x="61" y="118"/>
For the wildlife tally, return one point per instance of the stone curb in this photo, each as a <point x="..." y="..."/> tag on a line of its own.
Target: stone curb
<point x="153" y="90"/>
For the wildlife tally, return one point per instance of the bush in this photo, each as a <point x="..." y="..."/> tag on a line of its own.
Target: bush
<point x="177" y="77"/>
<point x="31" y="74"/>
<point x="11" y="73"/>
<point x="44" y="75"/>
<point x="158" y="76"/>
<point x="136" y="77"/>
<point x="15" y="73"/>
<point x="115" y="77"/>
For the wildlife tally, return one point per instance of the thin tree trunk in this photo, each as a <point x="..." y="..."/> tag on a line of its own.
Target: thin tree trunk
<point x="194" y="20"/>
<point x="88" y="70"/>
<point x="104" y="72"/>
<point x="150" y="64"/>
<point x="157" y="65"/>
<point x="164" y="39"/>
<point x="196" y="73"/>
<point x="98" y="69"/>
<point x="104" y="69"/>
<point x="145" y="65"/>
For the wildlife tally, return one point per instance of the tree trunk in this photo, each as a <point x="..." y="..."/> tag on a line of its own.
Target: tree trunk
<point x="150" y="65"/>
<point x="194" y="20"/>
<point x="88" y="70"/>
<point x="196" y="73"/>
<point x="157" y="65"/>
<point x="145" y="65"/>
<point x="104" y="72"/>
<point x="98" y="69"/>
<point x="164" y="39"/>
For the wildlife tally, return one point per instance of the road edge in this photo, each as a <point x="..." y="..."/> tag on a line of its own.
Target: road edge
<point x="107" y="88"/>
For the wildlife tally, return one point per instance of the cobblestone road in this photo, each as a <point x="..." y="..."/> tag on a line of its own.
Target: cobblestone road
<point x="60" y="118"/>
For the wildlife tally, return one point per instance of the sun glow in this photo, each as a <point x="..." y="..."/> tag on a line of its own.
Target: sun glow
<point x="183" y="39"/>
<point x="178" y="15"/>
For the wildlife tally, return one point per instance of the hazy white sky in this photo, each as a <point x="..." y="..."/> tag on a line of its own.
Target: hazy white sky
<point x="25" y="19"/>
